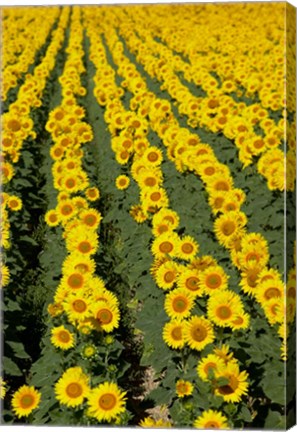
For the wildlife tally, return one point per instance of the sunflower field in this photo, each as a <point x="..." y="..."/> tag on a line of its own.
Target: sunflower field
<point x="148" y="216"/>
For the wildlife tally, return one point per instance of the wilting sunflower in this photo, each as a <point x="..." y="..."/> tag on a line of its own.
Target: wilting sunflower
<point x="206" y="364"/>
<point x="122" y="182"/>
<point x="73" y="387"/>
<point x="198" y="332"/>
<point x="213" y="279"/>
<point x="211" y="420"/>
<point x="178" y="303"/>
<point x="106" y="402"/>
<point x="62" y="338"/>
<point x="173" y="334"/>
<point x="237" y="383"/>
<point x="25" y="400"/>
<point x="223" y="307"/>
<point x="183" y="388"/>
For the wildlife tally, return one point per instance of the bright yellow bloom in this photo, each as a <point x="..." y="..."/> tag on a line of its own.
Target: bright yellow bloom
<point x="73" y="387"/>
<point x="25" y="400"/>
<point x="106" y="402"/>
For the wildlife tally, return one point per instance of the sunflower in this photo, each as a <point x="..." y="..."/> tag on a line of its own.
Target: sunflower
<point x="166" y="274"/>
<point x="189" y="279"/>
<point x="25" y="400"/>
<point x="202" y="263"/>
<point x="149" y="422"/>
<point x="91" y="218"/>
<point x="219" y="182"/>
<point x="65" y="210"/>
<point x="250" y="278"/>
<point x="223" y="307"/>
<point x="3" y="388"/>
<point x="178" y="303"/>
<point x="92" y="194"/>
<point x="237" y="383"/>
<point x="122" y="182"/>
<point x="211" y="420"/>
<point x="152" y="156"/>
<point x="78" y="263"/>
<point x="14" y="203"/>
<point x="216" y="201"/>
<point x="138" y="213"/>
<point x="165" y="244"/>
<point x="82" y="240"/>
<point x="198" y="332"/>
<point x="4" y="275"/>
<point x="183" y="388"/>
<point x="106" y="402"/>
<point x="228" y="226"/>
<point x="187" y="248"/>
<point x="73" y="387"/>
<point x="153" y="199"/>
<point x="173" y="333"/>
<point x="105" y="316"/>
<point x="62" y="338"/>
<point x="77" y="307"/>
<point x="89" y="351"/>
<point x="149" y="178"/>
<point x="211" y="362"/>
<point x="52" y="218"/>
<point x="223" y="353"/>
<point x="213" y="279"/>
<point x="274" y="310"/>
<point x="166" y="216"/>
<point x="269" y="289"/>
<point x="241" y="322"/>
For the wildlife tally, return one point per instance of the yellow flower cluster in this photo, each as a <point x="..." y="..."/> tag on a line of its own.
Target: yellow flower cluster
<point x="105" y="402"/>
<point x="249" y="251"/>
<point x="16" y="123"/>
<point x="24" y="33"/>
<point x="222" y="365"/>
<point x="81" y="294"/>
<point x="9" y="203"/>
<point x="219" y="110"/>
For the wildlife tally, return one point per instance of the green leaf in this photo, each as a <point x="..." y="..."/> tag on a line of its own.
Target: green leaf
<point x="275" y="420"/>
<point x="10" y="368"/>
<point x="274" y="388"/>
<point x="18" y="349"/>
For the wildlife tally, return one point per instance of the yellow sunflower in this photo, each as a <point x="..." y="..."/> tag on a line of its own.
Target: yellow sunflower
<point x="250" y="278"/>
<point x="62" y="338"/>
<point x="223" y="352"/>
<point x="122" y="182"/>
<point x="228" y="226"/>
<point x="211" y="420"/>
<point x="73" y="387"/>
<point x="3" y="388"/>
<point x="77" y="307"/>
<point x="4" y="275"/>
<point x="173" y="333"/>
<point x="241" y="322"/>
<point x="14" y="203"/>
<point x="178" y="303"/>
<point x="213" y="279"/>
<point x="187" y="248"/>
<point x="82" y="240"/>
<point x="105" y="316"/>
<point x="152" y="156"/>
<point x="149" y="422"/>
<point x="206" y="364"/>
<point x="106" y="402"/>
<point x="92" y="193"/>
<point x="165" y="244"/>
<point x="25" y="400"/>
<point x="91" y="218"/>
<point x="138" y="213"/>
<point x="198" y="332"/>
<point x="183" y="388"/>
<point x="237" y="383"/>
<point x="166" y="274"/>
<point x="269" y="289"/>
<point x="189" y="279"/>
<point x="52" y="218"/>
<point x="223" y="307"/>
